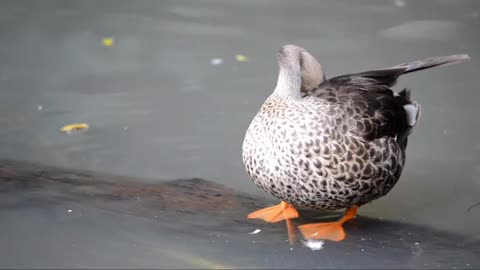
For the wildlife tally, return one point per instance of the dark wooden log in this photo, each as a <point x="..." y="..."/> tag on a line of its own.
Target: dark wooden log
<point x="52" y="217"/>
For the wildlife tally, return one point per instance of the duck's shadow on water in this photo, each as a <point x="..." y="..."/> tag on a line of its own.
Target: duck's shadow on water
<point x="206" y="219"/>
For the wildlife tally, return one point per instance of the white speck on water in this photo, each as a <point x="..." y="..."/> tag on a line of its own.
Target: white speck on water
<point x="467" y="264"/>
<point x="255" y="231"/>
<point x="400" y="3"/>
<point x="69" y="210"/>
<point x="314" y="244"/>
<point x="125" y="128"/>
<point x="291" y="248"/>
<point x="417" y="243"/>
<point x="362" y="250"/>
<point x="216" y="61"/>
<point x="39" y="107"/>
<point x="409" y="233"/>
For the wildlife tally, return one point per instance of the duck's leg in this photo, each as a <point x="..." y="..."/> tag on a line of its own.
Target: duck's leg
<point x="291" y="230"/>
<point x="275" y="213"/>
<point x="328" y="230"/>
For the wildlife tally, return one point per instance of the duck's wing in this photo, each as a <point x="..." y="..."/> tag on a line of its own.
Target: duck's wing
<point x="373" y="109"/>
<point x="368" y="110"/>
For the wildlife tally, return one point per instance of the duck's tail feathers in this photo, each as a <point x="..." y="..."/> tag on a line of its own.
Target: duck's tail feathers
<point x="412" y="108"/>
<point x="388" y="77"/>
<point x="433" y="62"/>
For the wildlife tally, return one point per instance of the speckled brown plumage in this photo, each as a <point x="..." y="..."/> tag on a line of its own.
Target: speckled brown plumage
<point x="339" y="144"/>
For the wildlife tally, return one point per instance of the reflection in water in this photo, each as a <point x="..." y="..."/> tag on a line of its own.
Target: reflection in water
<point x="186" y="118"/>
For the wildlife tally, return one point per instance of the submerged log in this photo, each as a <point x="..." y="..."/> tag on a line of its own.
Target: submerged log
<point x="53" y="217"/>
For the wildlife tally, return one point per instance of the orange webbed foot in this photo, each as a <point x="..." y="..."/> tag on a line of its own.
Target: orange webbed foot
<point x="332" y="231"/>
<point x="275" y="213"/>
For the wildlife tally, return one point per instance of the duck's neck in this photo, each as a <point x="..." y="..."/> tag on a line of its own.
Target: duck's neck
<point x="289" y="82"/>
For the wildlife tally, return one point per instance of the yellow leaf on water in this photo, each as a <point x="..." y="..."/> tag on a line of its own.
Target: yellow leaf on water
<point x="74" y="127"/>
<point x="108" y="42"/>
<point x="241" y="58"/>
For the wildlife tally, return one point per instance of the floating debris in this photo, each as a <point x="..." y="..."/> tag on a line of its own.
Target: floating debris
<point x="74" y="127"/>
<point x="39" y="107"/>
<point x="108" y="42"/>
<point x="255" y="232"/>
<point x="241" y="58"/>
<point x="216" y="61"/>
<point x="314" y="244"/>
<point x="69" y="210"/>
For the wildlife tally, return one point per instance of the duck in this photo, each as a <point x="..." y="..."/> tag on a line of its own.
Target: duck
<point x="330" y="144"/>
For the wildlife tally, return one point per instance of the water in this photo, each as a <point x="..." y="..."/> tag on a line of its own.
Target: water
<point x="159" y="109"/>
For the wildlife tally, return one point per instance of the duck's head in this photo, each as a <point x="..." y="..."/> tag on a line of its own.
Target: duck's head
<point x="299" y="71"/>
